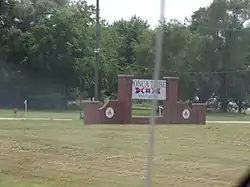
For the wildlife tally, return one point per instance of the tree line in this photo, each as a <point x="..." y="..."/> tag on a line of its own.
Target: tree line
<point x="56" y="39"/>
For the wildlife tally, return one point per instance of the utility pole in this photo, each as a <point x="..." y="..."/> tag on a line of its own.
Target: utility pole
<point x="97" y="50"/>
<point x="157" y="69"/>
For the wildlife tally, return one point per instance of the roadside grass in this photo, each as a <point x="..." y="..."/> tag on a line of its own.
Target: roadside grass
<point x="69" y="154"/>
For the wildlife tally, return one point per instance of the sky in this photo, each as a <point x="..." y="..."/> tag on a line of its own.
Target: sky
<point x="112" y="10"/>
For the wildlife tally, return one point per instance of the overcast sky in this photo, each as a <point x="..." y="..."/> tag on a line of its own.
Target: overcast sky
<point x="148" y="9"/>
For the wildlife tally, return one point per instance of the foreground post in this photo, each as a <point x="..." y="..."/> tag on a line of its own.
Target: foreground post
<point x="25" y="107"/>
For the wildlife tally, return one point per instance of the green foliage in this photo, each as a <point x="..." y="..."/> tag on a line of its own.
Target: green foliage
<point x="56" y="39"/>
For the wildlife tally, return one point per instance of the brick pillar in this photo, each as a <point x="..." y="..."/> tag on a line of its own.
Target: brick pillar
<point x="200" y="113"/>
<point x="91" y="113"/>
<point x="125" y="97"/>
<point x="172" y="89"/>
<point x="171" y="99"/>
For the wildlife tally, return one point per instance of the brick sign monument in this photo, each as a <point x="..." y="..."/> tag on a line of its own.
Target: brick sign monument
<point x="120" y="111"/>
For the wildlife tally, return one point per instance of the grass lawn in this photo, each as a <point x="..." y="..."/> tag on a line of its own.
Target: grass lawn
<point x="42" y="114"/>
<point x="228" y="117"/>
<point x="68" y="154"/>
<point x="139" y="110"/>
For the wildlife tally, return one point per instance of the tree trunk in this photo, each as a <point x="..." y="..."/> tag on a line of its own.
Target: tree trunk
<point x="224" y="105"/>
<point x="240" y="107"/>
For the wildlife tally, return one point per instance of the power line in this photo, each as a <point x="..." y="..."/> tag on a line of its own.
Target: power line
<point x="246" y="70"/>
<point x="245" y="29"/>
<point x="207" y="72"/>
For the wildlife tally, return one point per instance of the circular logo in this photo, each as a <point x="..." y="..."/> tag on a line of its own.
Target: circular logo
<point x="109" y="112"/>
<point x="186" y="114"/>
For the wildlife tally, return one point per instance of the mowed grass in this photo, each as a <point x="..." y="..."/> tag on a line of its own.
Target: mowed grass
<point x="144" y="109"/>
<point x="67" y="114"/>
<point x="68" y="154"/>
<point x="137" y="111"/>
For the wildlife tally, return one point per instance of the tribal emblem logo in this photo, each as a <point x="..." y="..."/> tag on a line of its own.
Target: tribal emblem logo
<point x="148" y="90"/>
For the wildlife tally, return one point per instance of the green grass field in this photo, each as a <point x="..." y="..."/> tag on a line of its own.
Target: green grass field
<point x="42" y="114"/>
<point x="138" y="110"/>
<point x="144" y="110"/>
<point x="69" y="154"/>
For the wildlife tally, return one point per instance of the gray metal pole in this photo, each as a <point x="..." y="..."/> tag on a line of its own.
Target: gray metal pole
<point x="97" y="51"/>
<point x="158" y="59"/>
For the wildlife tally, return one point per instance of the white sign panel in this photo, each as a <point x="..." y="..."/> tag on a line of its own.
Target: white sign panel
<point x="144" y="89"/>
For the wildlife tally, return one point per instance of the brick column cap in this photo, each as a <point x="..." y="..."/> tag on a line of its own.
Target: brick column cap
<point x="171" y="78"/>
<point x="199" y="104"/>
<point x="125" y="75"/>
<point x="92" y="102"/>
